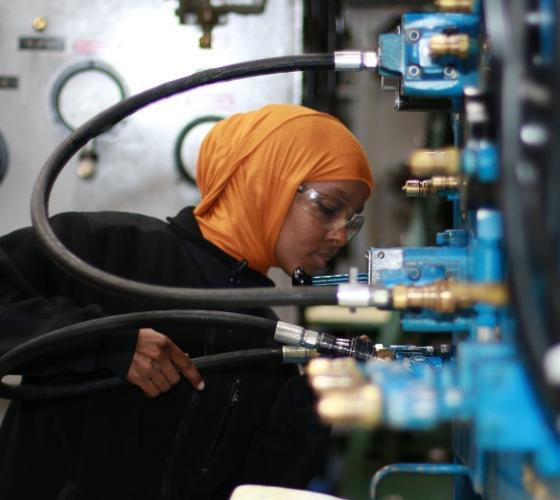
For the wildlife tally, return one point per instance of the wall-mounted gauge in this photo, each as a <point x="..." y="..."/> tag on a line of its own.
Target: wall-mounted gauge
<point x="3" y="158"/>
<point x="188" y="143"/>
<point x="83" y="90"/>
<point x="79" y="93"/>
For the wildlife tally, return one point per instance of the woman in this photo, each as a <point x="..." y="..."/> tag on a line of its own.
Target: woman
<point x="281" y="186"/>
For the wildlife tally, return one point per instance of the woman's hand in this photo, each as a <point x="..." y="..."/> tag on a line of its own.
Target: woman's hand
<point x="158" y="362"/>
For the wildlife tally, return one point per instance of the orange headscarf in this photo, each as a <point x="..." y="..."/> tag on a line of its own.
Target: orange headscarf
<point x="250" y="166"/>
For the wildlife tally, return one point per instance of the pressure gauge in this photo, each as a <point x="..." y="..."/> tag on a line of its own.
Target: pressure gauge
<point x="80" y="93"/>
<point x="188" y="144"/>
<point x="84" y="90"/>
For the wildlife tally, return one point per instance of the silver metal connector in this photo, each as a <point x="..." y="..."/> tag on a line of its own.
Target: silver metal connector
<point x="287" y="333"/>
<point x="293" y="354"/>
<point x="355" y="60"/>
<point x="355" y="295"/>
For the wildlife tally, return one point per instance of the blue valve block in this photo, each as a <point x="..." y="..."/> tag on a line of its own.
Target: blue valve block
<point x="484" y="390"/>
<point x="472" y="254"/>
<point x="406" y="55"/>
<point x="500" y="427"/>
<point x="502" y="432"/>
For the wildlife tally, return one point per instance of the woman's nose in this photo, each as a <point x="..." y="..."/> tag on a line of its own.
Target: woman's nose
<point x="337" y="235"/>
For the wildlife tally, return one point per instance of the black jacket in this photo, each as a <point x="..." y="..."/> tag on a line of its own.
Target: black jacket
<point x="249" y="425"/>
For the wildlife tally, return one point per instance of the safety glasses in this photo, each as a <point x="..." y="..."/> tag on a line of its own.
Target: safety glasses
<point x="332" y="212"/>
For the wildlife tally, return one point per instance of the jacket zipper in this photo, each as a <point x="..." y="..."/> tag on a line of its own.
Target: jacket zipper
<point x="233" y="400"/>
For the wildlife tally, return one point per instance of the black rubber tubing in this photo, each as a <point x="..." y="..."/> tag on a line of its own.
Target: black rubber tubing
<point x="180" y="297"/>
<point x="70" y="335"/>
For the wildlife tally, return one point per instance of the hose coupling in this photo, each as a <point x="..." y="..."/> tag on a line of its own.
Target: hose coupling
<point x="450" y="45"/>
<point x="355" y="347"/>
<point x="358" y="348"/>
<point x="428" y="162"/>
<point x="446" y="296"/>
<point x="423" y="189"/>
<point x="344" y="396"/>
<point x="326" y="374"/>
<point x="455" y="5"/>
<point x="354" y="60"/>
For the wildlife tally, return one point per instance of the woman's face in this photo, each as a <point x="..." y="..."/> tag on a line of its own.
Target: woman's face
<point x="312" y="234"/>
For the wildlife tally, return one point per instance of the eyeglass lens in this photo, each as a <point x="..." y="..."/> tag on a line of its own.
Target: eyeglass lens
<point x="333" y="212"/>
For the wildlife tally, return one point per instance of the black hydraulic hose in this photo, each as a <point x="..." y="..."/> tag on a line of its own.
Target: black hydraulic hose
<point x="183" y="297"/>
<point x="220" y="361"/>
<point x="92" y="329"/>
<point x="239" y="358"/>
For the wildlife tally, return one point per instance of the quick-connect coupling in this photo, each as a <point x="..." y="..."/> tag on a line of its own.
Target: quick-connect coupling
<point x="327" y="374"/>
<point x="355" y="347"/>
<point x="422" y="189"/>
<point x="450" y="45"/>
<point x="428" y="162"/>
<point x="355" y="60"/>
<point x="361" y="406"/>
<point x="455" y="5"/>
<point x="448" y="296"/>
<point x="324" y="343"/>
<point x="344" y="396"/>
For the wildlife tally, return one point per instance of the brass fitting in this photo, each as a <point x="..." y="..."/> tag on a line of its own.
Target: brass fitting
<point x="344" y="396"/>
<point x="450" y="45"/>
<point x="207" y="18"/>
<point x="334" y="374"/>
<point x="535" y="486"/>
<point x="332" y="366"/>
<point x="360" y="406"/>
<point x="422" y="189"/>
<point x="448" y="296"/>
<point x="428" y="162"/>
<point x="455" y="5"/>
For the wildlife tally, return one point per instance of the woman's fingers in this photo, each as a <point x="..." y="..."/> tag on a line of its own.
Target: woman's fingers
<point x="157" y="362"/>
<point x="185" y="365"/>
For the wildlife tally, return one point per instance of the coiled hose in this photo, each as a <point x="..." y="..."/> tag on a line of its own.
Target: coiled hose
<point x="183" y="297"/>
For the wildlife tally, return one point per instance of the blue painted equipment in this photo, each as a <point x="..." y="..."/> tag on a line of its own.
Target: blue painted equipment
<point x="499" y="384"/>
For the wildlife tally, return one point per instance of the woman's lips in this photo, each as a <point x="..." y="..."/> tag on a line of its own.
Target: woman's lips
<point x="321" y="259"/>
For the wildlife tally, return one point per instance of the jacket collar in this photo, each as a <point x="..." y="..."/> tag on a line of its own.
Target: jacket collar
<point x="185" y="225"/>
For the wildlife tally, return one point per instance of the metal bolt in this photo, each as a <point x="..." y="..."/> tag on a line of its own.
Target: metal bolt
<point x="39" y="23"/>
<point x="380" y="255"/>
<point x="414" y="273"/>
<point x="450" y="72"/>
<point x="413" y="71"/>
<point x="413" y="35"/>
